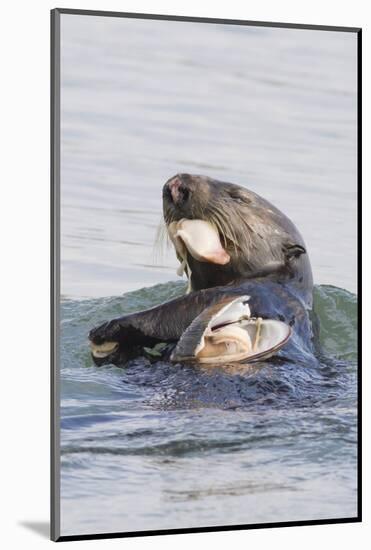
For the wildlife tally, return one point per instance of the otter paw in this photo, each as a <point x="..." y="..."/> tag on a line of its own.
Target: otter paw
<point x="107" y="332"/>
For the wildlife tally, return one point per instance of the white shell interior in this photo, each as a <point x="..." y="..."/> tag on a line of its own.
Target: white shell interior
<point x="200" y="239"/>
<point x="233" y="335"/>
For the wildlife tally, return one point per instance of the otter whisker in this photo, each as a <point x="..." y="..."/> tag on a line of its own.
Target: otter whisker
<point x="161" y="241"/>
<point x="218" y="226"/>
<point x="226" y="229"/>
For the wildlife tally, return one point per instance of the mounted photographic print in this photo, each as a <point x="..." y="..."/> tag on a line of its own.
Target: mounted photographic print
<point x="205" y="178"/>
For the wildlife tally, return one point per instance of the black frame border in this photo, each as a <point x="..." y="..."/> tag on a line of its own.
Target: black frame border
<point x="55" y="273"/>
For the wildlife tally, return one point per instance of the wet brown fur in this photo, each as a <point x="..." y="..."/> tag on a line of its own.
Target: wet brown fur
<point x="254" y="232"/>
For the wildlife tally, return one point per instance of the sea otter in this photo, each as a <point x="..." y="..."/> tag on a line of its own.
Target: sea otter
<point x="250" y="282"/>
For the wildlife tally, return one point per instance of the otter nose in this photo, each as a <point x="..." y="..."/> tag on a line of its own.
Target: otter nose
<point x="177" y="189"/>
<point x="174" y="187"/>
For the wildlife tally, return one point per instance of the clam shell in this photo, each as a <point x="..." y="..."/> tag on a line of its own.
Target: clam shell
<point x="225" y="332"/>
<point x="200" y="239"/>
<point x="225" y="311"/>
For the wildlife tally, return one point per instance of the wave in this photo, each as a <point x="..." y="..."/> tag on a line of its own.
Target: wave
<point x="337" y="311"/>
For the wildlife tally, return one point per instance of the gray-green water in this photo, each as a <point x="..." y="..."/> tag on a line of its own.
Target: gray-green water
<point x="161" y="446"/>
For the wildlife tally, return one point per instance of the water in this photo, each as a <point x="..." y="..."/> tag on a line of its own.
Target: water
<point x="159" y="446"/>
<point x="162" y="446"/>
<point x="270" y="109"/>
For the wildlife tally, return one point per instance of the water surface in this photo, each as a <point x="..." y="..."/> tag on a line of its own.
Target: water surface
<point x="270" y="109"/>
<point x="161" y="446"/>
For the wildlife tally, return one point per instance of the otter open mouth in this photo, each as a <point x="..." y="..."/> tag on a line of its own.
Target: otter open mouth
<point x="226" y="332"/>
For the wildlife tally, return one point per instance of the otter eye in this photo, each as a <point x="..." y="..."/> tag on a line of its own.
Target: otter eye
<point x="238" y="196"/>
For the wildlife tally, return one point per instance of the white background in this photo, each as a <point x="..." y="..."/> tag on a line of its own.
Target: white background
<point x="24" y="122"/>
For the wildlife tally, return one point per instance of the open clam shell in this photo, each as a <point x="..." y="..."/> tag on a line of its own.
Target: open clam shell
<point x="200" y="239"/>
<point x="226" y="332"/>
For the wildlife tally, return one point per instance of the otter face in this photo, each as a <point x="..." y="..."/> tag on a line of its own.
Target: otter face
<point x="199" y="197"/>
<point x="230" y="209"/>
<point x="254" y="234"/>
<point x="224" y="205"/>
<point x="208" y="203"/>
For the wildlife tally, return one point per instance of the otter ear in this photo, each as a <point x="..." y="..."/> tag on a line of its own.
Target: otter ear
<point x="292" y="251"/>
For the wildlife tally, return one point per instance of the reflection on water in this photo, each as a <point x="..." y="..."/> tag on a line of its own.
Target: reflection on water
<point x="158" y="446"/>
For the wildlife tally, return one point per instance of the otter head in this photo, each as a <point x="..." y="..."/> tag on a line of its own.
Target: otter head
<point x="200" y="197"/>
<point x="254" y="234"/>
